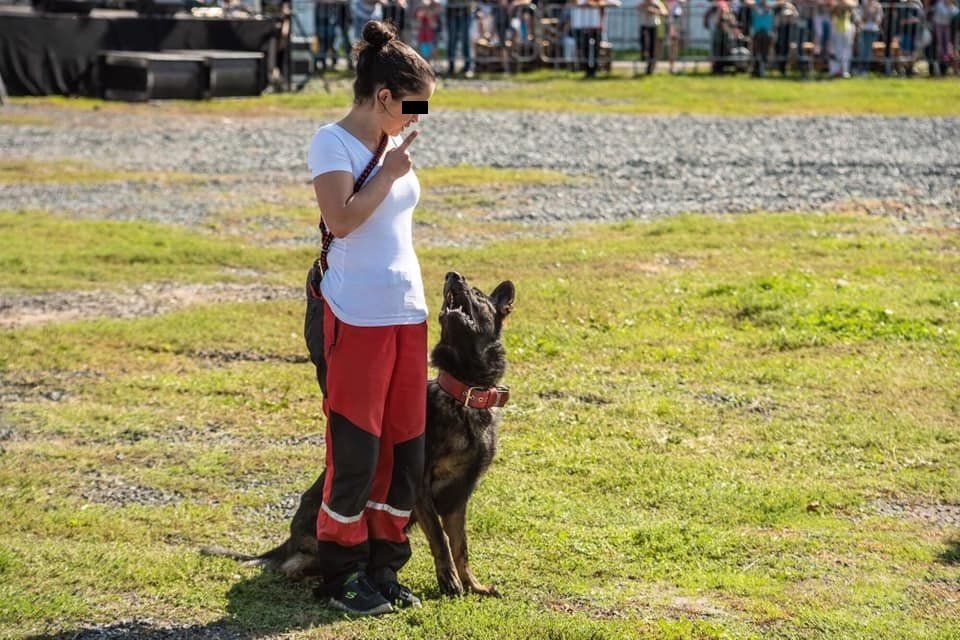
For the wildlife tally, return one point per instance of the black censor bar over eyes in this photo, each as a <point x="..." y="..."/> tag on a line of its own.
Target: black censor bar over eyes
<point x="414" y="107"/>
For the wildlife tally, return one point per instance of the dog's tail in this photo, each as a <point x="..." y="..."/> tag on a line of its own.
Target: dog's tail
<point x="269" y="560"/>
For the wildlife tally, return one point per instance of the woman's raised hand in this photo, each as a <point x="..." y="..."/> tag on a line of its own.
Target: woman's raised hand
<point x="397" y="162"/>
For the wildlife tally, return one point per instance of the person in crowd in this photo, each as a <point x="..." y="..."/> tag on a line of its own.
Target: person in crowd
<point x="343" y="21"/>
<point x="459" y="16"/>
<point x="785" y="19"/>
<point x="482" y="26"/>
<point x="503" y="31"/>
<point x="867" y="17"/>
<point x="374" y="313"/>
<point x="674" y="30"/>
<point x="943" y="13"/>
<point x="911" y="17"/>
<point x="806" y="10"/>
<point x="651" y="14"/>
<point x="586" y="23"/>
<point x="743" y="10"/>
<point x="822" y="21"/>
<point x="925" y="41"/>
<point x="722" y="23"/>
<point x="762" y="29"/>
<point x="890" y="32"/>
<point x="527" y="10"/>
<point x="841" y="38"/>
<point x="324" y="19"/>
<point x="428" y="23"/>
<point x="395" y="12"/>
<point x="955" y="40"/>
<point x="363" y="11"/>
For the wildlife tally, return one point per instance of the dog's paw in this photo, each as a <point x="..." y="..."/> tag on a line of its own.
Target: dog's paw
<point x="491" y="591"/>
<point x="449" y="582"/>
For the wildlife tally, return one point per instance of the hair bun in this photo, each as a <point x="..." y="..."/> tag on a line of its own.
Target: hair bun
<point x="377" y="34"/>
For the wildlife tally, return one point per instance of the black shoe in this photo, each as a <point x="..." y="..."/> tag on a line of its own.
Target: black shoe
<point x="359" y="597"/>
<point x="398" y="595"/>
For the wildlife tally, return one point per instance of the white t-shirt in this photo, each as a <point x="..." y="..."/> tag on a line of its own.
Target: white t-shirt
<point x="584" y="16"/>
<point x="373" y="276"/>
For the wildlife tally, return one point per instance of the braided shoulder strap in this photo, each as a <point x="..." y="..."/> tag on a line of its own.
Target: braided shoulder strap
<point x="326" y="235"/>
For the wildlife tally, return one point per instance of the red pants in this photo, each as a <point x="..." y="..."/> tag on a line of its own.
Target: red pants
<point x="376" y="380"/>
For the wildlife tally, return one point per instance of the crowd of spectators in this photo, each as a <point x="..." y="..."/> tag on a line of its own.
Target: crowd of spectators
<point x="841" y="37"/>
<point x="837" y="37"/>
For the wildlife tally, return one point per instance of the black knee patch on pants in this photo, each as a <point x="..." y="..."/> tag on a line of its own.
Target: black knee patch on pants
<point x="355" y="454"/>
<point x="408" y="460"/>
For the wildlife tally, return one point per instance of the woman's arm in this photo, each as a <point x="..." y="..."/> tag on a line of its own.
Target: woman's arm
<point x="341" y="208"/>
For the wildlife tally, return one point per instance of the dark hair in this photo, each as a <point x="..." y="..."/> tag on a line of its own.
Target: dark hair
<point x="384" y="60"/>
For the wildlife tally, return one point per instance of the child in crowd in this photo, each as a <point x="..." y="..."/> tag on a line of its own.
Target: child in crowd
<point x="761" y="26"/>
<point x="868" y="18"/>
<point x="428" y="22"/>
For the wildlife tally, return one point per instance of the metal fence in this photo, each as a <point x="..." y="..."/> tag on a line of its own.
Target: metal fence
<point x="506" y="36"/>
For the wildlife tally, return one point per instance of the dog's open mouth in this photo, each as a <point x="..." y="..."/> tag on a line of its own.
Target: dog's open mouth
<point x="454" y="304"/>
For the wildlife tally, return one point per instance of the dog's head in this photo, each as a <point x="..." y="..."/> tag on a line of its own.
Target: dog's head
<point x="470" y="325"/>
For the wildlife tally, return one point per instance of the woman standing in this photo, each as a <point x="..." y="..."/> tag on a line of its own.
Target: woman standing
<point x="651" y="12"/>
<point x="366" y="326"/>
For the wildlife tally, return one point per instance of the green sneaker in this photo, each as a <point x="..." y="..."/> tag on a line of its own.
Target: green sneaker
<point x="359" y="597"/>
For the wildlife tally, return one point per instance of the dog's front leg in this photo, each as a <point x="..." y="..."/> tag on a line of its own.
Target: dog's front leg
<point x="429" y="521"/>
<point x="455" y="524"/>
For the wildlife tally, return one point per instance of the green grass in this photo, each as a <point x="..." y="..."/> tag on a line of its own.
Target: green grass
<point x="42" y="252"/>
<point x="620" y="93"/>
<point x="704" y="411"/>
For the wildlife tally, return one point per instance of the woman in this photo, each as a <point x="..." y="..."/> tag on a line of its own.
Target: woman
<point x="841" y="38"/>
<point x="651" y="12"/>
<point x="371" y="358"/>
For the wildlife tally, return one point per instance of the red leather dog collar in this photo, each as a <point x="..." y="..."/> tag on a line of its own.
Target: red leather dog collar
<point x="475" y="397"/>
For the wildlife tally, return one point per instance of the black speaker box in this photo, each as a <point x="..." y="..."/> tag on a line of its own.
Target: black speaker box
<point x="146" y="75"/>
<point x="231" y="73"/>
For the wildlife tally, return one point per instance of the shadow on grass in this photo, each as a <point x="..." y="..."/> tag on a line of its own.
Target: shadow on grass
<point x="951" y="555"/>
<point x="263" y="605"/>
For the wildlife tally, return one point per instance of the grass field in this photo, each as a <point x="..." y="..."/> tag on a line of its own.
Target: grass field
<point x="712" y="418"/>
<point x="618" y="93"/>
<point x="742" y="426"/>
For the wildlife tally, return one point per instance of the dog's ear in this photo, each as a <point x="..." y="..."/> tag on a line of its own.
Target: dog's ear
<point x="502" y="298"/>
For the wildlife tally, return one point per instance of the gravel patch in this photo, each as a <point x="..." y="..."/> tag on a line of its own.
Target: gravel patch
<point x="145" y="300"/>
<point x="50" y="386"/>
<point x="209" y="433"/>
<point x="125" y="200"/>
<point x="938" y="514"/>
<point x="644" y="166"/>
<point x="226" y="357"/>
<point x="116" y="491"/>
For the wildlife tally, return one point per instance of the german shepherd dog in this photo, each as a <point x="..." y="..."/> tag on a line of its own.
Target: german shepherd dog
<point x="460" y="441"/>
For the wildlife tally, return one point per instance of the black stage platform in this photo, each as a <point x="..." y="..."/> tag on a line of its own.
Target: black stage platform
<point x="50" y="54"/>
